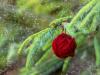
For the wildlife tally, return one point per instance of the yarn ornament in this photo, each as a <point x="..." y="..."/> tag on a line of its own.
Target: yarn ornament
<point x="64" y="45"/>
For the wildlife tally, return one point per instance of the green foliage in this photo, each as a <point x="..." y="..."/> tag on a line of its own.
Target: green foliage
<point x="58" y="8"/>
<point x="12" y="53"/>
<point x="66" y="66"/>
<point x="44" y="68"/>
<point x="52" y="7"/>
<point x="14" y="28"/>
<point x="40" y="6"/>
<point x="40" y="39"/>
<point x="3" y="60"/>
<point x="37" y="44"/>
<point x="97" y="51"/>
<point x="53" y="64"/>
<point x="27" y="19"/>
<point x="58" y="22"/>
<point x="81" y="22"/>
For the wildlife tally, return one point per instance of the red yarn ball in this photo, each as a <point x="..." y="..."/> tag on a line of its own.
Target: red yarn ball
<point x="64" y="45"/>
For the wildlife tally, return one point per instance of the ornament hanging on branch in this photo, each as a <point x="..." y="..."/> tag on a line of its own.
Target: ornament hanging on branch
<point x="64" y="45"/>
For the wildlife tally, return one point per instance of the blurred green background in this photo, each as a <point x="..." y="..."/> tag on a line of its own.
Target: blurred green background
<point x="21" y="18"/>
